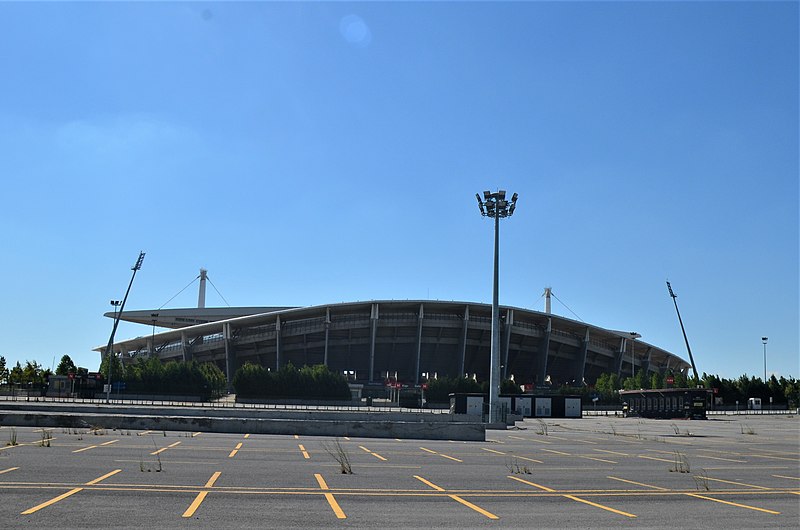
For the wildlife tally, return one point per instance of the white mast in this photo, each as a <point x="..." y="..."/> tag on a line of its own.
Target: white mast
<point x="201" y="298"/>
<point x="547" y="292"/>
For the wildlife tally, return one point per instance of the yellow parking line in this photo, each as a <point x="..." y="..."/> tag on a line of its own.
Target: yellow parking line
<point x="654" y="458"/>
<point x="201" y="496"/>
<point x="599" y="459"/>
<point x="99" y="479"/>
<point x="236" y="450"/>
<point x="529" y="459"/>
<point x="195" y="434"/>
<point x="296" y="436"/>
<point x="303" y="450"/>
<point x="570" y="440"/>
<point x="612" y="452"/>
<point x="68" y="494"/>
<point x="143" y="433"/>
<point x="84" y="449"/>
<point x="492" y="451"/>
<point x="347" y="438"/>
<point x="478" y="509"/>
<point x="330" y="498"/>
<point x="733" y="503"/>
<point x="441" y="454"/>
<point x="774" y="457"/>
<point x="784" y="476"/>
<point x="574" y="498"/>
<point x="164" y="448"/>
<point x="376" y="455"/>
<point x="529" y="483"/>
<point x="720" y="458"/>
<point x="428" y="483"/>
<point x="556" y="452"/>
<point x="456" y="498"/>
<point x="638" y="483"/>
<point x="7" y="470"/>
<point x="246" y="436"/>
<point x="51" y="501"/>
<point x="736" y="483"/>
<point x="109" y="443"/>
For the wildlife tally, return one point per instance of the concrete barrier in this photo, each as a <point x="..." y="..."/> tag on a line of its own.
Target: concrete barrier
<point x="309" y="423"/>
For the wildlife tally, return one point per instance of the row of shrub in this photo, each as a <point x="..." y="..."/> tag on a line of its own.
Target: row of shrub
<point x="311" y="382"/>
<point x="151" y="376"/>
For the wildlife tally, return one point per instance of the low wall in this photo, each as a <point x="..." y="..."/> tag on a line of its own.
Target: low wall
<point x="343" y="426"/>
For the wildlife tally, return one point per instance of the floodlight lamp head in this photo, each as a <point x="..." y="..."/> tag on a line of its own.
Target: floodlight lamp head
<point x="764" y="339"/>
<point x="139" y="261"/>
<point x="501" y="195"/>
<point x="487" y="195"/>
<point x="514" y="198"/>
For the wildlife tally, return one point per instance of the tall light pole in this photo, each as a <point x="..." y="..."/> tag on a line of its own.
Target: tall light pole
<point x="136" y="267"/>
<point x="495" y="206"/>
<point x="764" y="341"/>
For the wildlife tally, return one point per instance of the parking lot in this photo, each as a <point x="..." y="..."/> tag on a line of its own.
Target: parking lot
<point x="591" y="472"/>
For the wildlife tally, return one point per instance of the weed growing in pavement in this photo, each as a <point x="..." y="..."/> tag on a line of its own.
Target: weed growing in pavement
<point x="542" y="427"/>
<point x="12" y="437"/>
<point x="681" y="464"/>
<point x="746" y="429"/>
<point x="701" y="480"/>
<point x="46" y="437"/>
<point x="515" y="469"/>
<point x="339" y="454"/>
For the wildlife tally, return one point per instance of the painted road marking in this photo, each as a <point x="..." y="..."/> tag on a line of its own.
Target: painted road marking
<point x="720" y="458"/>
<point x="492" y="451"/>
<point x="598" y="459"/>
<point x="164" y="448"/>
<point x="347" y="438"/>
<point x="556" y="452"/>
<point x="659" y="459"/>
<point x="574" y="498"/>
<point x="529" y="483"/>
<point x="638" y="483"/>
<point x="196" y="434"/>
<point x="736" y="483"/>
<point x="143" y="433"/>
<point x="246" y="436"/>
<point x="784" y="476"/>
<point x="330" y="498"/>
<point x="376" y="455"/>
<point x="296" y="436"/>
<point x="733" y="503"/>
<point x="201" y="496"/>
<point x="612" y="452"/>
<point x="68" y="494"/>
<point x="236" y="450"/>
<point x="774" y="457"/>
<point x="94" y="446"/>
<point x="303" y="450"/>
<point x="528" y="459"/>
<point x="9" y="469"/>
<point x="456" y="498"/>
<point x="571" y="440"/>
<point x="440" y="454"/>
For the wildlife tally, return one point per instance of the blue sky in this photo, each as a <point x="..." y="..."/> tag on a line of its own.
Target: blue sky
<point x="312" y="153"/>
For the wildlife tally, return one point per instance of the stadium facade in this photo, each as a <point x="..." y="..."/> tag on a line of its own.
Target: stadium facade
<point x="408" y="341"/>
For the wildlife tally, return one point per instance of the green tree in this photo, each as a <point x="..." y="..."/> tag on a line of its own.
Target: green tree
<point x="66" y="366"/>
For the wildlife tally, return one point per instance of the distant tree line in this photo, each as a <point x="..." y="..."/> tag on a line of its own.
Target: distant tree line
<point x="781" y="390"/>
<point x="311" y="382"/>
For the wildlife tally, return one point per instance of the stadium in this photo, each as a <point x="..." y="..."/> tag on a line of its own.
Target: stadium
<point x="404" y="341"/>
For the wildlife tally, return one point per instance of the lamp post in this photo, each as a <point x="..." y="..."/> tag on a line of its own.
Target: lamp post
<point x="495" y="206"/>
<point x="764" y="341"/>
<point x="154" y="316"/>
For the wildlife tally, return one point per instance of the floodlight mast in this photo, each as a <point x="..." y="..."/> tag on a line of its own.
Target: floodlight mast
<point x="117" y="315"/>
<point x="496" y="206"/>
<point x="675" y="301"/>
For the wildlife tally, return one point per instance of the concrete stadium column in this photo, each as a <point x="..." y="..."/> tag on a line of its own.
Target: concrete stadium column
<point x="278" y="342"/>
<point x="327" y="332"/>
<point x="463" y="344"/>
<point x="150" y="349"/>
<point x="545" y="351"/>
<point x="419" y="343"/>
<point x="620" y="356"/>
<point x="373" y="332"/>
<point x="580" y="362"/>
<point x="507" y="340"/>
<point x="646" y="361"/>
<point x="185" y="348"/>
<point x="229" y="355"/>
<point x="665" y="369"/>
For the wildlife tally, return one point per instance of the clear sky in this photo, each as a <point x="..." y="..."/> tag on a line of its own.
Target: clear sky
<point x="313" y="153"/>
